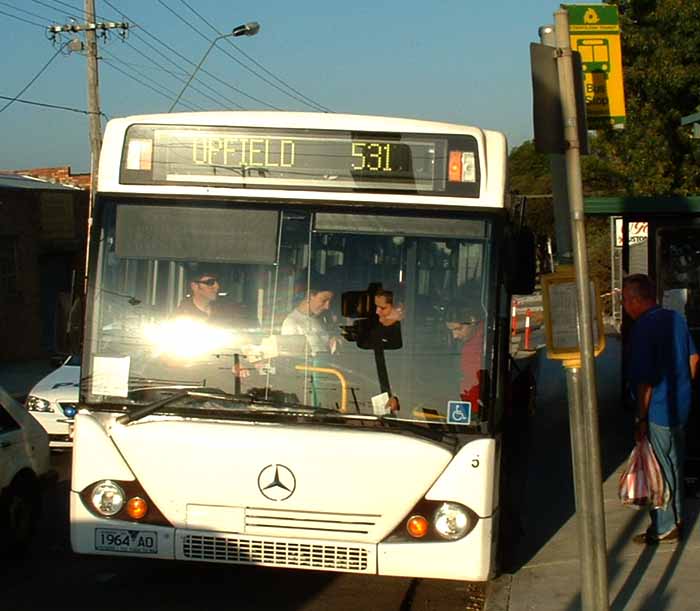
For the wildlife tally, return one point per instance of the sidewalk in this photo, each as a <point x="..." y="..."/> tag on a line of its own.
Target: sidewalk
<point x="18" y="378"/>
<point x="548" y="577"/>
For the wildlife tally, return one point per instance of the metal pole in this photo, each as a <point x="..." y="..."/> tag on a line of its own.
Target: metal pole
<point x="94" y="121"/>
<point x="585" y="430"/>
<point x="247" y="29"/>
<point x="199" y="65"/>
<point x="93" y="92"/>
<point x="582" y="484"/>
<point x="560" y="195"/>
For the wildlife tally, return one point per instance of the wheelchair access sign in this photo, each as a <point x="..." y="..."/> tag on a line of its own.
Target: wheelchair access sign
<point x="459" y="412"/>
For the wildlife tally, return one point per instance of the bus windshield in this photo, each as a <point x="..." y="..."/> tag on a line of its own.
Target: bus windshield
<point x="373" y="314"/>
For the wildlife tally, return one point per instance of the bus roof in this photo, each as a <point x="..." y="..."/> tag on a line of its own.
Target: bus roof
<point x="303" y="120"/>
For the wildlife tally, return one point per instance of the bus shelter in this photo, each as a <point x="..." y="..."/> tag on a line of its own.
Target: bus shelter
<point x="659" y="236"/>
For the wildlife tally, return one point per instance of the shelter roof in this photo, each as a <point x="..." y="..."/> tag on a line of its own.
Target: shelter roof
<point x="9" y="180"/>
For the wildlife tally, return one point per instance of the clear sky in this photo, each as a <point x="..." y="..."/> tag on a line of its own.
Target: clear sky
<point x="459" y="61"/>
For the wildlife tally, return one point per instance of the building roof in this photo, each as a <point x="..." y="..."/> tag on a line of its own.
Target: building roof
<point x="17" y="181"/>
<point x="651" y="205"/>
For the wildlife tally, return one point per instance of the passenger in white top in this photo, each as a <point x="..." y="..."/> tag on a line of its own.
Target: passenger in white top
<point x="305" y="320"/>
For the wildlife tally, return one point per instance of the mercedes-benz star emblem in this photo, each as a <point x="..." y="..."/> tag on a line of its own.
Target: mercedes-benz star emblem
<point x="277" y="482"/>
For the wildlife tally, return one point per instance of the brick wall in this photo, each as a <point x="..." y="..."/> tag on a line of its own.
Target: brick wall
<point x="20" y="322"/>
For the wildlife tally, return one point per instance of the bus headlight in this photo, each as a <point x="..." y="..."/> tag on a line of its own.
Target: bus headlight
<point x="37" y="404"/>
<point x="107" y="498"/>
<point x="435" y="521"/>
<point x="451" y="521"/>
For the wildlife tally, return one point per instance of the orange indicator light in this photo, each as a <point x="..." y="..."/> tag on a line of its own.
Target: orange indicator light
<point x="455" y="167"/>
<point x="136" y="508"/>
<point x="417" y="526"/>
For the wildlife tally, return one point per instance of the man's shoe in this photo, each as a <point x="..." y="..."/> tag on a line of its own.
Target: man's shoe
<point x="650" y="538"/>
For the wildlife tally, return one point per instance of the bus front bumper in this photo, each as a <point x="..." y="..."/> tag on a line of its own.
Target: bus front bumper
<point x="466" y="559"/>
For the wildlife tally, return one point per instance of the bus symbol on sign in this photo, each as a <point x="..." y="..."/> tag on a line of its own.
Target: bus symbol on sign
<point x="459" y="412"/>
<point x="595" y="55"/>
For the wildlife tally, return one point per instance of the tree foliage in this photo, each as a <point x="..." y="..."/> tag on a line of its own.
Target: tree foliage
<point x="530" y="175"/>
<point x="654" y="154"/>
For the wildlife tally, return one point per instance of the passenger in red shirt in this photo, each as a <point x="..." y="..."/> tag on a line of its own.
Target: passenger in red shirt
<point x="469" y="331"/>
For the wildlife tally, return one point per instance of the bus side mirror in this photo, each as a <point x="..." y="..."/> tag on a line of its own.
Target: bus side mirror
<point x="520" y="262"/>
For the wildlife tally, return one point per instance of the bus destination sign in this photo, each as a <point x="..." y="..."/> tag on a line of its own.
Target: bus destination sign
<point x="300" y="158"/>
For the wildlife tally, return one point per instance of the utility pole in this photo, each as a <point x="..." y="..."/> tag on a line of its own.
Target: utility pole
<point x="93" y="94"/>
<point x="91" y="27"/>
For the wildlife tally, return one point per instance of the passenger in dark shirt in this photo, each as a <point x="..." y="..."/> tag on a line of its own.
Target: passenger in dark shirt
<point x="662" y="370"/>
<point x="204" y="291"/>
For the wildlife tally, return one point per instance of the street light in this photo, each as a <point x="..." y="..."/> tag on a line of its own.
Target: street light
<point x="247" y="29"/>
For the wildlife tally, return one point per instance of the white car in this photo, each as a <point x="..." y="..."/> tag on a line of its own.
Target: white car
<point x="54" y="399"/>
<point x="24" y="463"/>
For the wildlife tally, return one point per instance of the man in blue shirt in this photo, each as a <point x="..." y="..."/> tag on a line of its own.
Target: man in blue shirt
<point x="662" y="368"/>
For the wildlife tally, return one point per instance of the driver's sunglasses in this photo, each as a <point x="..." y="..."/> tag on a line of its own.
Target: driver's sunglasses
<point x="208" y="281"/>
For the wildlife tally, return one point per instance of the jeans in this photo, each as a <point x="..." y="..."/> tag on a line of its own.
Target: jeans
<point x="669" y="446"/>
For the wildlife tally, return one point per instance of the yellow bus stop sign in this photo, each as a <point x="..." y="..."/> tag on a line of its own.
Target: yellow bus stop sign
<point x="595" y="33"/>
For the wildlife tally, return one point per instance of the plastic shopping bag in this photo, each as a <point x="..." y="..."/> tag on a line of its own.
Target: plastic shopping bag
<point x="642" y="482"/>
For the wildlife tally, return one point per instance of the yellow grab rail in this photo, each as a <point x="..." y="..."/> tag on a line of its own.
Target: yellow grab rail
<point x="337" y="374"/>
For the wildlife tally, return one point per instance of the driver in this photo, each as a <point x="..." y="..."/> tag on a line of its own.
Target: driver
<point x="204" y="291"/>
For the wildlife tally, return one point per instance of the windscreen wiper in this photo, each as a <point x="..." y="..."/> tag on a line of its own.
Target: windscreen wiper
<point x="137" y="414"/>
<point x="200" y="393"/>
<point x="204" y="393"/>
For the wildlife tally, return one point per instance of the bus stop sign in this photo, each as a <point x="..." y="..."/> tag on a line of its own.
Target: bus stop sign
<point x="594" y="32"/>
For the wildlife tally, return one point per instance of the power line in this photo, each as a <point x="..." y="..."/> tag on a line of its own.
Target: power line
<point x="189" y="25"/>
<point x="236" y="89"/>
<point x="165" y="95"/>
<point x="16" y="8"/>
<point x="114" y="67"/>
<point x="311" y="102"/>
<point x="54" y="106"/>
<point x="181" y="77"/>
<point x="42" y="26"/>
<point x="306" y="100"/>
<point x="53" y="8"/>
<point x="36" y="76"/>
<point x="70" y="6"/>
<point x="181" y="56"/>
<point x="238" y="61"/>
<point x="163" y="87"/>
<point x="182" y="80"/>
<point x="161" y="67"/>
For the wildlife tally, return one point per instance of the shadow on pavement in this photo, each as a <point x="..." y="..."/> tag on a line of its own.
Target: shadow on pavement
<point x="548" y="495"/>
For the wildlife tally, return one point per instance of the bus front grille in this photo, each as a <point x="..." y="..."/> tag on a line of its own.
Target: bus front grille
<point x="300" y="554"/>
<point x="265" y="521"/>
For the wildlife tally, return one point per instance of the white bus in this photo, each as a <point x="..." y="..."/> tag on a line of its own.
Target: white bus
<point x="296" y="343"/>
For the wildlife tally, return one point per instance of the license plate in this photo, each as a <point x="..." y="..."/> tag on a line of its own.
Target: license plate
<point x="123" y="540"/>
